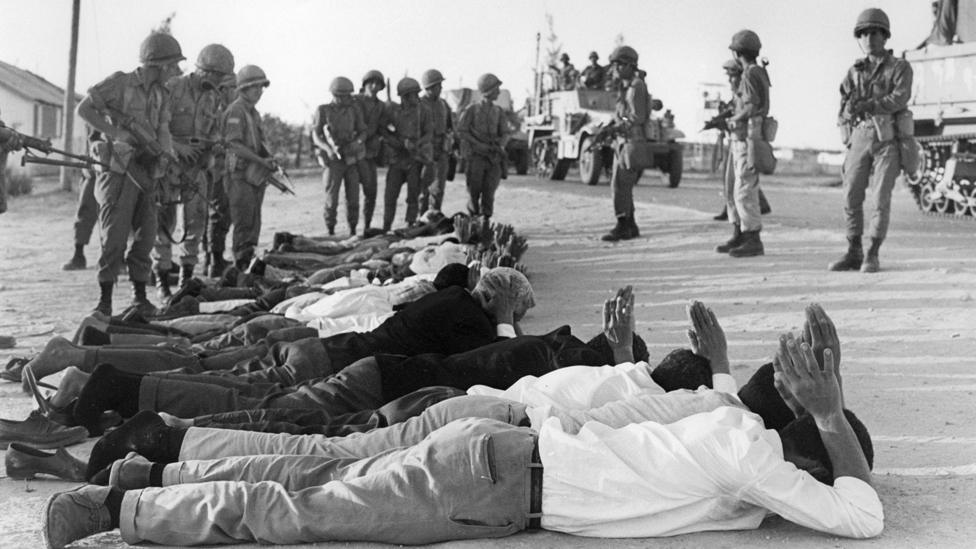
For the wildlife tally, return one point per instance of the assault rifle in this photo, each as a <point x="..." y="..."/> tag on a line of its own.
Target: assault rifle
<point x="720" y="120"/>
<point x="603" y="135"/>
<point x="33" y="144"/>
<point x="277" y="176"/>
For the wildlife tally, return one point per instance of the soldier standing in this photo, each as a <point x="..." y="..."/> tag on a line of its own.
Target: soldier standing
<point x="874" y="92"/>
<point x="632" y="114"/>
<point x="434" y="177"/>
<point x="594" y="75"/>
<point x="86" y="213"/>
<point x="248" y="163"/>
<point x="372" y="110"/>
<point x="195" y="102"/>
<point x="483" y="133"/>
<point x="566" y="74"/>
<point x="752" y="106"/>
<point x="219" y="206"/>
<point x="131" y="110"/>
<point x="408" y="133"/>
<point x="338" y="131"/>
<point x="9" y="141"/>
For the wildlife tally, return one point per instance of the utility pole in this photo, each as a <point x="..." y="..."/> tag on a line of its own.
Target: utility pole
<point x="69" y="95"/>
<point x="537" y="84"/>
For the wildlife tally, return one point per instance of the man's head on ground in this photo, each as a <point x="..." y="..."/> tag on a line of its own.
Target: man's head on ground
<point x="504" y="288"/>
<point x="600" y="344"/>
<point x="682" y="369"/>
<point x="452" y="274"/>
<point x="803" y="446"/>
<point x="759" y="394"/>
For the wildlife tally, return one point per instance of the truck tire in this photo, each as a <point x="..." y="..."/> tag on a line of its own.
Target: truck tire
<point x="590" y="163"/>
<point x="561" y="168"/>
<point x="677" y="165"/>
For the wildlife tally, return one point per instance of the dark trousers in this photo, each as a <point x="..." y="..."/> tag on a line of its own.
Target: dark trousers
<point x="126" y="206"/>
<point x="396" y="176"/>
<point x="482" y="176"/>
<point x="86" y="215"/>
<point x="219" y="223"/>
<point x="367" y="180"/>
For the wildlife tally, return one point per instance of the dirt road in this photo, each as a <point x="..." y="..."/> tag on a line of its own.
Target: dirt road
<point x="907" y="332"/>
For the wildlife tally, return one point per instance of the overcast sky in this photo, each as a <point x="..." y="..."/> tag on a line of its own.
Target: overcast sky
<point x="303" y="44"/>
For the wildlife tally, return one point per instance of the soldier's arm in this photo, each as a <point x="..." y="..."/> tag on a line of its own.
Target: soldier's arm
<point x="897" y="99"/>
<point x="101" y="97"/>
<point x="426" y="126"/>
<point x="163" y="134"/>
<point x="642" y="106"/>
<point x="318" y="131"/>
<point x="751" y="100"/>
<point x="234" y="131"/>
<point x="359" y="130"/>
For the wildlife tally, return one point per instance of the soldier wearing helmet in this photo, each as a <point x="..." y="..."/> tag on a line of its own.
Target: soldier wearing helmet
<point x="434" y="176"/>
<point x="565" y="75"/>
<point x="632" y="114"/>
<point x="372" y="110"/>
<point x="132" y="112"/>
<point x="219" y="204"/>
<point x="248" y="164"/>
<point x="751" y="108"/>
<point x="339" y="133"/>
<point x="408" y="133"/>
<point x="594" y="75"/>
<point x="483" y="133"/>
<point x="195" y="104"/>
<point x="873" y="106"/>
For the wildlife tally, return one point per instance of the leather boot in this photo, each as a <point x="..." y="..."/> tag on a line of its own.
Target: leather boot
<point x="218" y="266"/>
<point x="764" y="207"/>
<point x="852" y="259"/>
<point x="162" y="285"/>
<point x="140" y="302"/>
<point x="723" y="215"/>
<point x="632" y="225"/>
<point x="186" y="274"/>
<point x="620" y="231"/>
<point x="105" y="298"/>
<point x="871" y="263"/>
<point x="77" y="261"/>
<point x="751" y="245"/>
<point x="732" y="242"/>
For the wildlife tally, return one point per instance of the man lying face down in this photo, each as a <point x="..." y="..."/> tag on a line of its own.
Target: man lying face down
<point x="477" y="478"/>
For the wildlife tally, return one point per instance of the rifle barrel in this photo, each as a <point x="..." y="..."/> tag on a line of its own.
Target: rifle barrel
<point x="30" y="159"/>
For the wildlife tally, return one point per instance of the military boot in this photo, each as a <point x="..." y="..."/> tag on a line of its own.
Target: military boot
<point x="77" y="261"/>
<point x="733" y="242"/>
<point x="186" y="274"/>
<point x="871" y="263"/>
<point x="850" y="261"/>
<point x="751" y="245"/>
<point x="632" y="225"/>
<point x="105" y="298"/>
<point x="140" y="302"/>
<point x="162" y="285"/>
<point x="723" y="215"/>
<point x="620" y="231"/>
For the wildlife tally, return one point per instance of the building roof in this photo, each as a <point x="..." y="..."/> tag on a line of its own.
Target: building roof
<point x="29" y="85"/>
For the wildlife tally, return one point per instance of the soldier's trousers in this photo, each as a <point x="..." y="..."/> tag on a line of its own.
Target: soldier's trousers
<point x="219" y="224"/>
<point x="367" y="180"/>
<point x="333" y="176"/>
<point x="869" y="164"/>
<point x="482" y="176"/>
<point x="245" y="215"/>
<point x="86" y="215"/>
<point x="396" y="176"/>
<point x="124" y="208"/>
<point x="743" y="202"/>
<point x="193" y="216"/>
<point x="622" y="183"/>
<point x="432" y="183"/>
<point x="3" y="181"/>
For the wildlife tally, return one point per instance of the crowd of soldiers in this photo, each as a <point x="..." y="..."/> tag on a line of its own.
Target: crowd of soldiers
<point x="593" y="77"/>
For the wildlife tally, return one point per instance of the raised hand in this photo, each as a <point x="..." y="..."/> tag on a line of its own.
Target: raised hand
<point x="820" y="334"/>
<point x="707" y="338"/>
<point x="784" y="390"/>
<point x="619" y="323"/>
<point x="814" y="388"/>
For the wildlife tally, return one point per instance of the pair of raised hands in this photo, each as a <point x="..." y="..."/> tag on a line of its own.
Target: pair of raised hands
<point x="807" y="370"/>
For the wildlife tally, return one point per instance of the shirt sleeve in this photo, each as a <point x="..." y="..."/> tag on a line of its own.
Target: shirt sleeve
<point x="505" y="330"/>
<point x="724" y="383"/>
<point x="640" y="102"/>
<point x="108" y="93"/>
<point x="752" y="96"/>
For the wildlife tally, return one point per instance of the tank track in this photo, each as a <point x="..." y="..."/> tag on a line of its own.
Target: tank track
<point x="937" y="150"/>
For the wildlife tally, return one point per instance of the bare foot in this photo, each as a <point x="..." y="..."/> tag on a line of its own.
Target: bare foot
<point x="174" y="421"/>
<point x="70" y="387"/>
<point x="57" y="355"/>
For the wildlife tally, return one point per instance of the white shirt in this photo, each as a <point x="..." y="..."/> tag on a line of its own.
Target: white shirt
<point x="720" y="470"/>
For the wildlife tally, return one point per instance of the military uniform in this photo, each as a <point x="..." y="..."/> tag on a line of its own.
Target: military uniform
<point x="752" y="107"/>
<point x="8" y="142"/>
<point x="593" y="77"/>
<point x="408" y="136"/>
<point x="633" y="112"/>
<point x="219" y="204"/>
<point x="483" y="133"/>
<point x="434" y="175"/>
<point x="341" y="126"/>
<point x="195" y="111"/>
<point x="245" y="179"/>
<point x="372" y="110"/>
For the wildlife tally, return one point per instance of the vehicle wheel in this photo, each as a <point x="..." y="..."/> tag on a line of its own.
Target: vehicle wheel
<point x="590" y="163"/>
<point x="677" y="166"/>
<point x="522" y="162"/>
<point x="967" y="206"/>
<point x="561" y="168"/>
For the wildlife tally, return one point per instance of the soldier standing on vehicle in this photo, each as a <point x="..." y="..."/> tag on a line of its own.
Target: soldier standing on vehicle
<point x="195" y="126"/>
<point x="566" y="73"/>
<point x="9" y="141"/>
<point x="630" y="120"/>
<point x="434" y="177"/>
<point x="219" y="205"/>
<point x="408" y="134"/>
<point x="873" y="94"/>
<point x="594" y="75"/>
<point x="372" y="110"/>
<point x="339" y="132"/>
<point x="483" y="133"/>
<point x="751" y="108"/>
<point x="248" y="162"/>
<point x="131" y="110"/>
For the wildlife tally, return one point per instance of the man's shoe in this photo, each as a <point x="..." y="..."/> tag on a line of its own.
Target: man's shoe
<point x="76" y="263"/>
<point x="620" y="231"/>
<point x="870" y="264"/>
<point x="145" y="434"/>
<point x="140" y="302"/>
<point x="852" y="259"/>
<point x="23" y="461"/>
<point x="733" y="242"/>
<point x="71" y="516"/>
<point x="751" y="245"/>
<point x="723" y="215"/>
<point x="130" y="473"/>
<point x="39" y="432"/>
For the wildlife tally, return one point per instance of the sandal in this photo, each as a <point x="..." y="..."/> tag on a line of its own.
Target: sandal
<point x="63" y="415"/>
<point x="12" y="372"/>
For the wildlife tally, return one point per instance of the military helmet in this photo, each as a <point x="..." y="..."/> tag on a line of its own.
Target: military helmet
<point x="564" y="57"/>
<point x="341" y="86"/>
<point x="872" y="18"/>
<point x="594" y="55"/>
<point x="732" y="67"/>
<point x="488" y="82"/>
<point x="745" y="41"/>
<point x="216" y="58"/>
<point x="624" y="54"/>
<point x="160" y="49"/>
<point x="431" y="78"/>
<point x="407" y="85"/>
<point x="251" y="75"/>
<point x="374" y="75"/>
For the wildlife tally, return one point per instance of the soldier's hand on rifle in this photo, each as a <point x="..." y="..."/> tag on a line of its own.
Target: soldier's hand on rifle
<point x="185" y="152"/>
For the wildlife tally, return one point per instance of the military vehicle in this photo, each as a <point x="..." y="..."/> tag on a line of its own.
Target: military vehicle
<point x="518" y="144"/>
<point x="567" y="127"/>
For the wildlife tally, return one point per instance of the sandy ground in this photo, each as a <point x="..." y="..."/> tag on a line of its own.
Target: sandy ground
<point x="907" y="333"/>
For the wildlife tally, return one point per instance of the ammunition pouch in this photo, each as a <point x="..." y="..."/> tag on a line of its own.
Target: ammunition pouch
<point x="909" y="151"/>
<point x="636" y="154"/>
<point x="760" y="155"/>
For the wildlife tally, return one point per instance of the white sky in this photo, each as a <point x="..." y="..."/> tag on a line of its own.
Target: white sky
<point x="303" y="44"/>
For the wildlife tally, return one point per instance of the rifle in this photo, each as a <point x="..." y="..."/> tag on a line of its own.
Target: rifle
<point x="31" y="144"/>
<point x="605" y="133"/>
<point x="284" y="184"/>
<point x="720" y="120"/>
